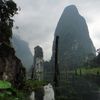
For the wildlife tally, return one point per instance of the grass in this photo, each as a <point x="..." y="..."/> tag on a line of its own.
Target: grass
<point x="4" y="84"/>
<point x="9" y="93"/>
<point x="85" y="71"/>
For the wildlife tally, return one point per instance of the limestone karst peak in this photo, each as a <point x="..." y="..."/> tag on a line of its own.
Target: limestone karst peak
<point x="71" y="9"/>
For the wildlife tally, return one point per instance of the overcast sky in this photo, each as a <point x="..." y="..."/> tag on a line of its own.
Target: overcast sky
<point x="37" y="21"/>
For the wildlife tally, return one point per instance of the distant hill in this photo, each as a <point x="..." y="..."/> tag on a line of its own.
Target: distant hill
<point x="23" y="51"/>
<point x="75" y="45"/>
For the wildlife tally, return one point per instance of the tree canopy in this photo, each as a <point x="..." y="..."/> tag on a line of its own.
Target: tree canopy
<point x="8" y="9"/>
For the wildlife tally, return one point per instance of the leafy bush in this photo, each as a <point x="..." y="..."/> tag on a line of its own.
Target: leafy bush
<point x="5" y="84"/>
<point x="31" y="85"/>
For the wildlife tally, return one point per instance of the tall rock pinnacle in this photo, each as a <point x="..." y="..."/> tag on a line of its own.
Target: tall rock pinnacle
<point x="75" y="45"/>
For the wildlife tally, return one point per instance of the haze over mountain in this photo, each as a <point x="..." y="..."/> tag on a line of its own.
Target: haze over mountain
<point x="75" y="45"/>
<point x="22" y="51"/>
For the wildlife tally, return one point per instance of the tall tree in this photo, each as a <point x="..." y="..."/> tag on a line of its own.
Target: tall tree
<point x="8" y="9"/>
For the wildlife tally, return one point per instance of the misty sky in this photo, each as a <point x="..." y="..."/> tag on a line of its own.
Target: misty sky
<point x="37" y="21"/>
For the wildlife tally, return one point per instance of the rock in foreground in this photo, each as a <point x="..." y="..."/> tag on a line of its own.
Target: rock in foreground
<point x="11" y="68"/>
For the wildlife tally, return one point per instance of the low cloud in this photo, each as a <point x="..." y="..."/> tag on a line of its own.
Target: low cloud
<point x="37" y="20"/>
<point x="22" y="51"/>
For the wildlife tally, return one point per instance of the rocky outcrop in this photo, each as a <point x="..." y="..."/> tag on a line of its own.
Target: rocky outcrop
<point x="38" y="67"/>
<point x="11" y="68"/>
<point x="75" y="46"/>
<point x="43" y="93"/>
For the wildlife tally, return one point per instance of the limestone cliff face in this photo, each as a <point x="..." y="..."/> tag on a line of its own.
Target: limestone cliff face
<point x="11" y="68"/>
<point x="75" y="45"/>
<point x="38" y="67"/>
